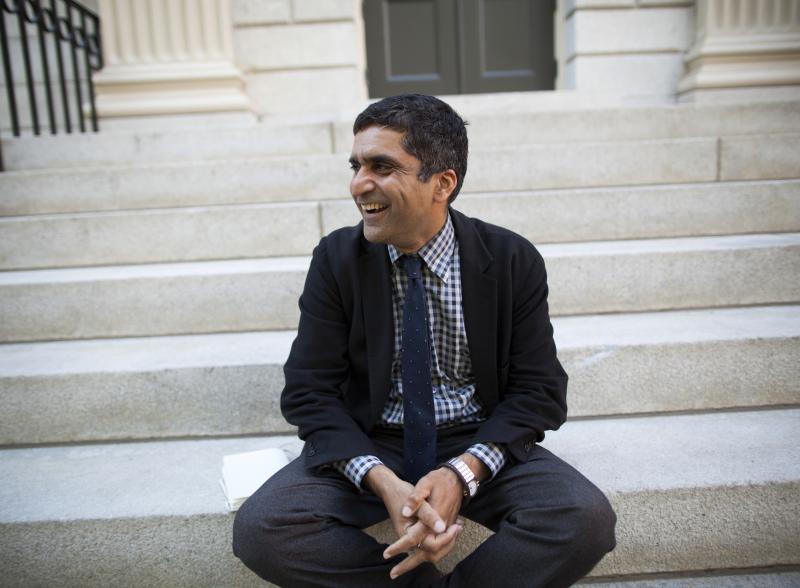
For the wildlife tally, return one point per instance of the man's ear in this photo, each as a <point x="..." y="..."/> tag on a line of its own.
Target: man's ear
<point x="446" y="182"/>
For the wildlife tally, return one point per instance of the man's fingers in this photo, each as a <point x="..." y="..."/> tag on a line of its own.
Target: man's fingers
<point x="407" y="564"/>
<point x="440" y="545"/>
<point x="433" y="549"/>
<point x="428" y="515"/>
<point x="416" y="499"/>
<point x="419" y="536"/>
<point x="414" y="535"/>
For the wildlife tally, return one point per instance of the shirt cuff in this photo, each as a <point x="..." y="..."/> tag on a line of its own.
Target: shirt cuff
<point x="491" y="454"/>
<point x="354" y="469"/>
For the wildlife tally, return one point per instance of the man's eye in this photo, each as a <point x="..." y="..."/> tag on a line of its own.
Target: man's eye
<point x="354" y="167"/>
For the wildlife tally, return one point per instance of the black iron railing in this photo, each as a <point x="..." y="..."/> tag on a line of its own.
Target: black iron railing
<point x="72" y="32"/>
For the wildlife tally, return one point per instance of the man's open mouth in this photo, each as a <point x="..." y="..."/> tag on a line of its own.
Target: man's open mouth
<point x="373" y="207"/>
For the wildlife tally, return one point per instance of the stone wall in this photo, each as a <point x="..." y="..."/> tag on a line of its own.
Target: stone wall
<point x="300" y="55"/>
<point x="625" y="47"/>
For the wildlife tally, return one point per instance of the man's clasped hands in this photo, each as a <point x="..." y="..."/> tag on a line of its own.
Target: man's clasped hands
<point x="425" y="516"/>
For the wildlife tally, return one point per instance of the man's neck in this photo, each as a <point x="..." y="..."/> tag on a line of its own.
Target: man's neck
<point x="426" y="241"/>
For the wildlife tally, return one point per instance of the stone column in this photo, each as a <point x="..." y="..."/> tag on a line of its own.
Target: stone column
<point x="168" y="57"/>
<point x="744" y="49"/>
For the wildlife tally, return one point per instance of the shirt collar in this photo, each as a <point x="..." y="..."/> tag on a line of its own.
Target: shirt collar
<point x="436" y="253"/>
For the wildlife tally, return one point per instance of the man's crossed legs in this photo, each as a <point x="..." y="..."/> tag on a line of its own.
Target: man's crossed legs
<point x="304" y="528"/>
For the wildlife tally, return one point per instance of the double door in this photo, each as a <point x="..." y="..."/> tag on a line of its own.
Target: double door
<point x="459" y="46"/>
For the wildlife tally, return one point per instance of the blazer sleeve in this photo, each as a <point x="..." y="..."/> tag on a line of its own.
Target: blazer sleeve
<point x="532" y="383"/>
<point x="318" y="368"/>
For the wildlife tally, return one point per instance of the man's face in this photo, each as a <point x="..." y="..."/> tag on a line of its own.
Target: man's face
<point x="396" y="206"/>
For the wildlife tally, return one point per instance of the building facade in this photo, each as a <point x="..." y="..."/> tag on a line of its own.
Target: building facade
<point x="276" y="57"/>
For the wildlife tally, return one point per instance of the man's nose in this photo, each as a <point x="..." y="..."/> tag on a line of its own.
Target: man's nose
<point x="362" y="183"/>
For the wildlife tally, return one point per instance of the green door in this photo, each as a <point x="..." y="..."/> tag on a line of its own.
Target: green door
<point x="459" y="46"/>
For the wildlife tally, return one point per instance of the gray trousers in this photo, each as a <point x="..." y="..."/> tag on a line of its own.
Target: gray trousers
<point x="304" y="528"/>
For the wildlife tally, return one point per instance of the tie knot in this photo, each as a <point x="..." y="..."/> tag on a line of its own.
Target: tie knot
<point x="412" y="264"/>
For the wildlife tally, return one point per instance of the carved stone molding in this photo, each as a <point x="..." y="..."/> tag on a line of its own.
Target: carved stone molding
<point x="745" y="48"/>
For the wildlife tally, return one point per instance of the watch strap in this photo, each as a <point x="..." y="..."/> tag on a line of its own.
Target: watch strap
<point x="469" y="482"/>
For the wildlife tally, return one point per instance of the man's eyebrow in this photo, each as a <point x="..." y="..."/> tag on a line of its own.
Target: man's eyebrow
<point x="379" y="158"/>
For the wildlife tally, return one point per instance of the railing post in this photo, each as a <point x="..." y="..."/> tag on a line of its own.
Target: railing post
<point x="8" y="70"/>
<point x="75" y="69"/>
<point x="41" y="27"/>
<point x="23" y="39"/>
<point x="86" y="54"/>
<point x="59" y="36"/>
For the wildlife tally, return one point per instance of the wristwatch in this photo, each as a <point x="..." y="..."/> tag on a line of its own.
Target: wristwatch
<point x="468" y="479"/>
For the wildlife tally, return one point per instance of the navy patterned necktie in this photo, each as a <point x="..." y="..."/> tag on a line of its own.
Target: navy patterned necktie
<point x="419" y="420"/>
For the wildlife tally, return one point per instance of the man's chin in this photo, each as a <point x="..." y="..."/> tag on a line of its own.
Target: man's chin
<point x="375" y="235"/>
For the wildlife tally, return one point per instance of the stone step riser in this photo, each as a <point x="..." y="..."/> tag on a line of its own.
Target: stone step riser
<point x="94" y="553"/>
<point x="605" y="380"/>
<point x="262" y="295"/>
<point x="485" y="130"/>
<point x="326" y="177"/>
<point x="104" y="149"/>
<point x="232" y="232"/>
<point x="160" y="236"/>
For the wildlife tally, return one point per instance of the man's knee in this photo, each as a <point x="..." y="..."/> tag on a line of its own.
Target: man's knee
<point x="265" y="533"/>
<point x="579" y="522"/>
<point x="282" y="524"/>
<point x="251" y="541"/>
<point x="591" y="522"/>
<point x="603" y="521"/>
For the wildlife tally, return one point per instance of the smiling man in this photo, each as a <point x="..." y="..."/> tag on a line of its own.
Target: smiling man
<point x="423" y="376"/>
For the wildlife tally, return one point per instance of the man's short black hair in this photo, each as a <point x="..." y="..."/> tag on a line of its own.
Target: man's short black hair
<point x="433" y="132"/>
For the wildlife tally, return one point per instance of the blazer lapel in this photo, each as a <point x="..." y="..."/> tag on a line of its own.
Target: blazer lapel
<point x="376" y="300"/>
<point x="479" y="295"/>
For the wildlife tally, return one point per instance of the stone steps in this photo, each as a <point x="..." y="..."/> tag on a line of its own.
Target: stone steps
<point x="261" y="294"/>
<point x="124" y="384"/>
<point x="326" y="177"/>
<point x="489" y="126"/>
<point x="294" y="228"/>
<point x="230" y="384"/>
<point x="84" y="514"/>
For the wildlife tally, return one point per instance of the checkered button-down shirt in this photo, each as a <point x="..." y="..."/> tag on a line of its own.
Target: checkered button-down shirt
<point x="452" y="380"/>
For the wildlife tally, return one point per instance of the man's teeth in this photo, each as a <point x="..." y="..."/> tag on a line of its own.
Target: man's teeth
<point x="372" y="207"/>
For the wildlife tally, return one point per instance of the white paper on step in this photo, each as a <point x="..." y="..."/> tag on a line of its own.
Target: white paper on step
<point x="244" y="473"/>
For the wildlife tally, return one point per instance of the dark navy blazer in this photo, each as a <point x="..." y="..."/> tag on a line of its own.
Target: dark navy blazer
<point x="338" y="375"/>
